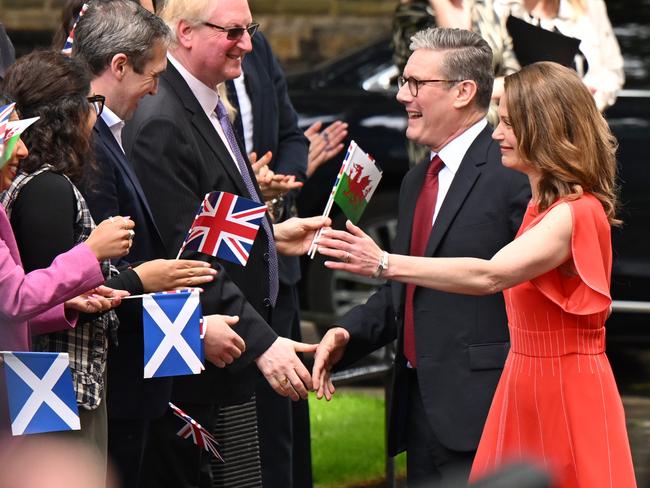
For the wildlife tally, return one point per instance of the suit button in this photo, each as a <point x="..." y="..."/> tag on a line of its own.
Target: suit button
<point x="266" y="257"/>
<point x="267" y="302"/>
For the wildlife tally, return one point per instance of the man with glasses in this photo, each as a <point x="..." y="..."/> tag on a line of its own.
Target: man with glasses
<point x="182" y="146"/>
<point x="459" y="202"/>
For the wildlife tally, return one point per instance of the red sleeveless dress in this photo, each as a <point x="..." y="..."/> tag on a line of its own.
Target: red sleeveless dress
<point x="557" y="405"/>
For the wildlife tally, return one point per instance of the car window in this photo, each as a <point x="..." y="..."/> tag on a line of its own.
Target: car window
<point x="631" y="22"/>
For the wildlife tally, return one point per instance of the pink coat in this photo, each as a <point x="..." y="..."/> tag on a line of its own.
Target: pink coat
<point x="32" y="304"/>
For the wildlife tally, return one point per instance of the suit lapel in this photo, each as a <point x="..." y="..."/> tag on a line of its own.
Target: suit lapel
<point x="204" y="127"/>
<point x="467" y="174"/>
<point x="106" y="137"/>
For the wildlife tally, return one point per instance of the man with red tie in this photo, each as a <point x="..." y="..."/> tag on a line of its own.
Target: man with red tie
<point x="460" y="202"/>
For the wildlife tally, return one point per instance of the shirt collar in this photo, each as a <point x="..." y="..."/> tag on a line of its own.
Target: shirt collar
<point x="454" y="152"/>
<point x="111" y="119"/>
<point x="206" y="96"/>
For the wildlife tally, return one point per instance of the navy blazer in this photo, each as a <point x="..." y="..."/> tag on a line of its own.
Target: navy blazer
<point x="116" y="190"/>
<point x="275" y="128"/>
<point x="179" y="157"/>
<point x="461" y="340"/>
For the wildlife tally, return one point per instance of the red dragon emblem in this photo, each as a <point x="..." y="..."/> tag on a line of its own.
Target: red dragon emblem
<point x="358" y="187"/>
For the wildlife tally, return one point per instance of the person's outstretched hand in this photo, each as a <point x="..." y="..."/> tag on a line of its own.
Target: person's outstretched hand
<point x="294" y="236"/>
<point x="96" y="300"/>
<point x="284" y="370"/>
<point x="170" y="274"/>
<point x="328" y="353"/>
<point x="355" y="250"/>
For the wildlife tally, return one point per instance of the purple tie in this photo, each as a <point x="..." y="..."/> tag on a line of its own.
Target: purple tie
<point x="224" y="121"/>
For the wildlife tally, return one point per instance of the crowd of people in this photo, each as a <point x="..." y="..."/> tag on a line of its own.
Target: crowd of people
<point x="497" y="287"/>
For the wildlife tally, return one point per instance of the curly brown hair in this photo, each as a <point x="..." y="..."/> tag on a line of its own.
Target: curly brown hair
<point x="560" y="132"/>
<point x="51" y="86"/>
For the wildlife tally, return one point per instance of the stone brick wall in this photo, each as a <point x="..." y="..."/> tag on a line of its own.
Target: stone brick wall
<point x="302" y="32"/>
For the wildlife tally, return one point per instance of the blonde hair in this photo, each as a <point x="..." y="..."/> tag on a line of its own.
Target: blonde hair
<point x="193" y="11"/>
<point x="561" y="133"/>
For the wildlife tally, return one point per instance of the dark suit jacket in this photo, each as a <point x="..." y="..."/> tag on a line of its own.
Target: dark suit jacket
<point x="275" y="128"/>
<point x="461" y="340"/>
<point x="116" y="190"/>
<point x="179" y="157"/>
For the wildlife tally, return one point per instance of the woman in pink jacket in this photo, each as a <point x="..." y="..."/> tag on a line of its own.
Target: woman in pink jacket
<point x="49" y="299"/>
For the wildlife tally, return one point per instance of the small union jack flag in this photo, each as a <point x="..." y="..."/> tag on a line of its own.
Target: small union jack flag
<point x="200" y="436"/>
<point x="67" y="47"/>
<point x="225" y="226"/>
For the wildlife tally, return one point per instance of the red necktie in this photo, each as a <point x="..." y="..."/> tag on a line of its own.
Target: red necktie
<point x="420" y="232"/>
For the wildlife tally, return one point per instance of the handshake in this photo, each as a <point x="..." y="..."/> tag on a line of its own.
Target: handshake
<point x="280" y="363"/>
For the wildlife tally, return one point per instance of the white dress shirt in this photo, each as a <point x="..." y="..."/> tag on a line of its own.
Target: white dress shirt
<point x="452" y="155"/>
<point x="114" y="123"/>
<point x="208" y="98"/>
<point x="245" y="112"/>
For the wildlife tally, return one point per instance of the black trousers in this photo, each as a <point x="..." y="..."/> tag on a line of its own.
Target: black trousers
<point x="428" y="462"/>
<point x="127" y="440"/>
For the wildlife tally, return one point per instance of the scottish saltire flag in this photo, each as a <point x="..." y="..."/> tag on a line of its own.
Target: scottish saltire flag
<point x="200" y="436"/>
<point x="12" y="134"/>
<point x="172" y="333"/>
<point x="225" y="227"/>
<point x="40" y="392"/>
<point x="357" y="182"/>
<point x="67" y="47"/>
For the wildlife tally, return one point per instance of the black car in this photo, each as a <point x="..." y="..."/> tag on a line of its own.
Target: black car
<point x="359" y="88"/>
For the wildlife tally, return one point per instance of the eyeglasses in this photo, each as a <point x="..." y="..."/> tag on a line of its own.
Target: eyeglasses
<point x="415" y="84"/>
<point x="235" y="33"/>
<point x="97" y="101"/>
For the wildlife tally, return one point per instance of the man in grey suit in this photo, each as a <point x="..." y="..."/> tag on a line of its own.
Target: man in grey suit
<point x="463" y="202"/>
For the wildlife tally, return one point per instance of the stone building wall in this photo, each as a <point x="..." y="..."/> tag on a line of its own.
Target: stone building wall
<point x="302" y="32"/>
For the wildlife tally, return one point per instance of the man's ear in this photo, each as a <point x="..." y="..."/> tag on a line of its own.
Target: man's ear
<point x="184" y="32"/>
<point x="465" y="93"/>
<point x="118" y="65"/>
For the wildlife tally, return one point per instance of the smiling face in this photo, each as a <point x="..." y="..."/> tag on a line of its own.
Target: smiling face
<point x="213" y="57"/>
<point x="505" y="136"/>
<point x="432" y="117"/>
<point x="134" y="86"/>
<point x="9" y="170"/>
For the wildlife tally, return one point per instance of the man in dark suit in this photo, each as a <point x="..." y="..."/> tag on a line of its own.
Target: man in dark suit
<point x="451" y="347"/>
<point x="267" y="122"/>
<point x="125" y="48"/>
<point x="181" y="145"/>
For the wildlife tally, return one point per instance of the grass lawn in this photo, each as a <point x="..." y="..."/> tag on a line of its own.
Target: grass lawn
<point x="347" y="440"/>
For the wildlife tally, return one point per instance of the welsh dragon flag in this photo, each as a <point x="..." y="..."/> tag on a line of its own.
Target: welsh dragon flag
<point x="356" y="183"/>
<point x="14" y="130"/>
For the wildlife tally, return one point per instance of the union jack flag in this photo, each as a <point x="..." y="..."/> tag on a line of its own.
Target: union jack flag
<point x="67" y="47"/>
<point x="225" y="226"/>
<point x="200" y="436"/>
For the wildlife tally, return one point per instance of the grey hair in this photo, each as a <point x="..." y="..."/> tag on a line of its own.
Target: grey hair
<point x="110" y="27"/>
<point x="467" y="56"/>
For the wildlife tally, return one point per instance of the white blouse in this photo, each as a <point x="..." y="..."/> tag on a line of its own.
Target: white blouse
<point x="604" y="75"/>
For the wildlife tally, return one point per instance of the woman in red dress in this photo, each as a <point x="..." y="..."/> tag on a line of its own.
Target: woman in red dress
<point x="556" y="404"/>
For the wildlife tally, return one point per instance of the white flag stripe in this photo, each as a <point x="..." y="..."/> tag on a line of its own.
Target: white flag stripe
<point x="173" y="337"/>
<point x="42" y="393"/>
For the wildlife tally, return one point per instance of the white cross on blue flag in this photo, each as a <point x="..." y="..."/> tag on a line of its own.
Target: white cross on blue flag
<point x="172" y="333"/>
<point x="40" y="392"/>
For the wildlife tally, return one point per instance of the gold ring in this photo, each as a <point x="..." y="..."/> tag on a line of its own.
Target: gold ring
<point x="347" y="257"/>
<point x="284" y="381"/>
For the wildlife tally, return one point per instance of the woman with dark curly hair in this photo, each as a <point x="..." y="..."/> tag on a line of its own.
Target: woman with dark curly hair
<point x="48" y="214"/>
